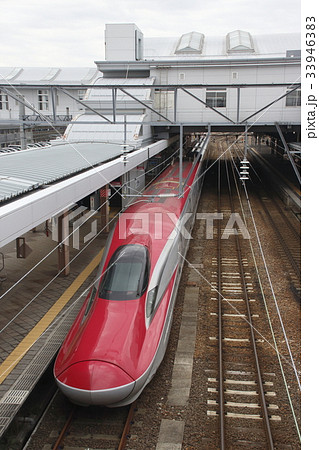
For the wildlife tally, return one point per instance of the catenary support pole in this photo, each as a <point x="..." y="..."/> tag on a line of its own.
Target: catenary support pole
<point x="181" y="160"/>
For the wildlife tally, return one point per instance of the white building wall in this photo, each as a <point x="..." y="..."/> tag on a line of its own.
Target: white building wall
<point x="64" y="104"/>
<point x="251" y="99"/>
<point x="124" y="43"/>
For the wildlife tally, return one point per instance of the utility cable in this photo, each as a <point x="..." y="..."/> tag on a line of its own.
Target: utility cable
<point x="267" y="310"/>
<point x="271" y="285"/>
<point x="76" y="229"/>
<point x="72" y="260"/>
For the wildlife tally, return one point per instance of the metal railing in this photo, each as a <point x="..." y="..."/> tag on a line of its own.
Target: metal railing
<point x="50" y="118"/>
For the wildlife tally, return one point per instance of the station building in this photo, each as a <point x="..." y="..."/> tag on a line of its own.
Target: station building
<point x="191" y="80"/>
<point x="145" y="95"/>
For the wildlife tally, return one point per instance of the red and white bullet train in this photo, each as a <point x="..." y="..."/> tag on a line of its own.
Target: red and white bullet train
<point x="120" y="335"/>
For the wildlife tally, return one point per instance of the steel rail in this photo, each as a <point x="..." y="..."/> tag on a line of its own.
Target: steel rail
<point x="286" y="220"/>
<point x="64" y="430"/>
<point x="251" y="328"/>
<point x="125" y="434"/>
<point x="281" y="239"/>
<point x="127" y="426"/>
<point x="220" y="322"/>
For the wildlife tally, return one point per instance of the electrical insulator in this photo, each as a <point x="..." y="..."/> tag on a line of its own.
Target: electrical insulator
<point x="244" y="169"/>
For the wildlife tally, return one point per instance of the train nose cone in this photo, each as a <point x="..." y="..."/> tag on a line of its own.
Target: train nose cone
<point x="95" y="382"/>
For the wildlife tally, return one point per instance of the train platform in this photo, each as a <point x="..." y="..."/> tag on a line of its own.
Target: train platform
<point x="37" y="307"/>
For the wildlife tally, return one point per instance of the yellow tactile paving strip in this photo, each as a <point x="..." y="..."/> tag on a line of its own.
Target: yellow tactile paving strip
<point x="18" y="353"/>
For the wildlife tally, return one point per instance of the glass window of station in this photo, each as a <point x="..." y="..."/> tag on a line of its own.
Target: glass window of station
<point x="4" y="101"/>
<point x="43" y="99"/>
<point x="293" y="98"/>
<point x="216" y="98"/>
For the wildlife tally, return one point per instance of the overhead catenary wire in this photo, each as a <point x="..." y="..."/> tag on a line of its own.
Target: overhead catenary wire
<point x="188" y="187"/>
<point x="279" y="356"/>
<point x="73" y="304"/>
<point x="77" y="255"/>
<point x="27" y="103"/>
<point x="267" y="271"/>
<point x="247" y="128"/>
<point x="214" y="288"/>
<point x="275" y="347"/>
<point x="116" y="191"/>
<point x="251" y="328"/>
<point x="270" y="283"/>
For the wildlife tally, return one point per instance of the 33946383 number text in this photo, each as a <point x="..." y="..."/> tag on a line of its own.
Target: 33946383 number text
<point x="310" y="47"/>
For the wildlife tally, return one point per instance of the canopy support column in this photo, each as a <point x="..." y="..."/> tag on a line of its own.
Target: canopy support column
<point x="104" y="208"/>
<point x="63" y="248"/>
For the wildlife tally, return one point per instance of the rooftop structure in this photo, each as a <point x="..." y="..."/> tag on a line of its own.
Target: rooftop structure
<point x="188" y="80"/>
<point x="48" y="75"/>
<point x="239" y="42"/>
<point x="190" y="43"/>
<point x="149" y="89"/>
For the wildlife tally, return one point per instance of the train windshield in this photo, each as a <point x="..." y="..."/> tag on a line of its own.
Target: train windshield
<point x="127" y="274"/>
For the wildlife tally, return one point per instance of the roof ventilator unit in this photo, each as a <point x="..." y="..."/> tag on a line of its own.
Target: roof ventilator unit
<point x="239" y="41"/>
<point x="190" y="43"/>
<point x="244" y="169"/>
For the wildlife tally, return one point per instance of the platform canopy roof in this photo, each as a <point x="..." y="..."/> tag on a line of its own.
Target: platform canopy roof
<point x="96" y="129"/>
<point x="48" y="75"/>
<point x="27" y="170"/>
<point x="97" y="164"/>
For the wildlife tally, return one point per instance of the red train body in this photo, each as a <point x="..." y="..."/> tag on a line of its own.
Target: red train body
<point x="121" y="333"/>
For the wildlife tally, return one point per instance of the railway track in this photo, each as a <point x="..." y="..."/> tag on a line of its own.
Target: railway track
<point x="289" y="244"/>
<point x="286" y="229"/>
<point x="241" y="391"/>
<point x="247" y="403"/>
<point x="68" y="426"/>
<point x="237" y="399"/>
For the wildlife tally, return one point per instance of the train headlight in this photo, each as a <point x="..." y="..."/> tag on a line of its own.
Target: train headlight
<point x="151" y="302"/>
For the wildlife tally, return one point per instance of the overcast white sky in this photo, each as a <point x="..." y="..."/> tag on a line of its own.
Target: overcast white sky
<point x="71" y="32"/>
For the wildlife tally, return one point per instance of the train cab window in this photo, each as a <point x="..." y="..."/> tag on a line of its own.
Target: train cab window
<point x="127" y="274"/>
